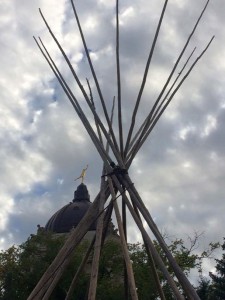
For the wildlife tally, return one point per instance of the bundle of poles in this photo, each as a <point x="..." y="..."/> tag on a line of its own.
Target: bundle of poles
<point x="117" y="155"/>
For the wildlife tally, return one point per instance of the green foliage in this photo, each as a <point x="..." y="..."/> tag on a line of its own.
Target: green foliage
<point x="214" y="288"/>
<point x="111" y="272"/>
<point x="204" y="290"/>
<point x="8" y="267"/>
<point x="143" y="274"/>
<point x="218" y="279"/>
<point x="185" y="257"/>
<point x="21" y="267"/>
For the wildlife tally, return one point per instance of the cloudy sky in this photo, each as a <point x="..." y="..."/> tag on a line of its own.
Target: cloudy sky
<point x="180" y="170"/>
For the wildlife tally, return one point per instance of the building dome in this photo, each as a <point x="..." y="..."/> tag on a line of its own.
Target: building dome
<point x="71" y="214"/>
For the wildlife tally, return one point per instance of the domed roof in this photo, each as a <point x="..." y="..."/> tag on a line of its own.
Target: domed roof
<point x="71" y="214"/>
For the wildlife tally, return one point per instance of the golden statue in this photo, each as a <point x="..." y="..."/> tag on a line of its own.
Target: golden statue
<point x="82" y="175"/>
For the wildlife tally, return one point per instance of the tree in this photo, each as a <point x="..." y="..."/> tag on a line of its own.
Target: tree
<point x="8" y="267"/>
<point x="218" y="279"/>
<point x="186" y="257"/>
<point x="22" y="266"/>
<point x="204" y="290"/>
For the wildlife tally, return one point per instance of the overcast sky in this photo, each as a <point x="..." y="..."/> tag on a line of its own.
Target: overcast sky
<point x="180" y="170"/>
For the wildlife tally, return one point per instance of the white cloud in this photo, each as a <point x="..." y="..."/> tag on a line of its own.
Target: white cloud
<point x="211" y="124"/>
<point x="180" y="170"/>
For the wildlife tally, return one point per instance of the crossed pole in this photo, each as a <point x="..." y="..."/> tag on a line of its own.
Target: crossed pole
<point x="115" y="180"/>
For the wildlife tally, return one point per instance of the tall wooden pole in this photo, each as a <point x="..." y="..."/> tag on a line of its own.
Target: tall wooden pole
<point x="124" y="218"/>
<point x="62" y="260"/>
<point x="151" y="260"/>
<point x="154" y="252"/>
<point x="97" y="246"/>
<point x="59" y="264"/>
<point x="130" y="274"/>
<point x="188" y="288"/>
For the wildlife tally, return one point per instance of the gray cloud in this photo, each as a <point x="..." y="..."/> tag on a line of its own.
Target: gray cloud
<point x="180" y="169"/>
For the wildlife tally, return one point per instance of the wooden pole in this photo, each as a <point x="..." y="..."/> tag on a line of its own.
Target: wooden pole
<point x="107" y="217"/>
<point x="170" y="76"/>
<point x="142" y="130"/>
<point x="151" y="260"/>
<point x="97" y="246"/>
<point x="154" y="252"/>
<point x="62" y="259"/>
<point x="75" y="105"/>
<point x="56" y="269"/>
<point x="99" y="229"/>
<point x="52" y="285"/>
<point x="140" y="142"/>
<point x="130" y="275"/>
<point x="112" y="144"/>
<point x="96" y="121"/>
<point x="118" y="78"/>
<point x="95" y="77"/>
<point x="145" y="77"/>
<point x="124" y="219"/>
<point x="188" y="288"/>
<point x="79" y="270"/>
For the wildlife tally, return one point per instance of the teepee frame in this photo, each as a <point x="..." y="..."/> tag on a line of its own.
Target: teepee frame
<point x="115" y="179"/>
